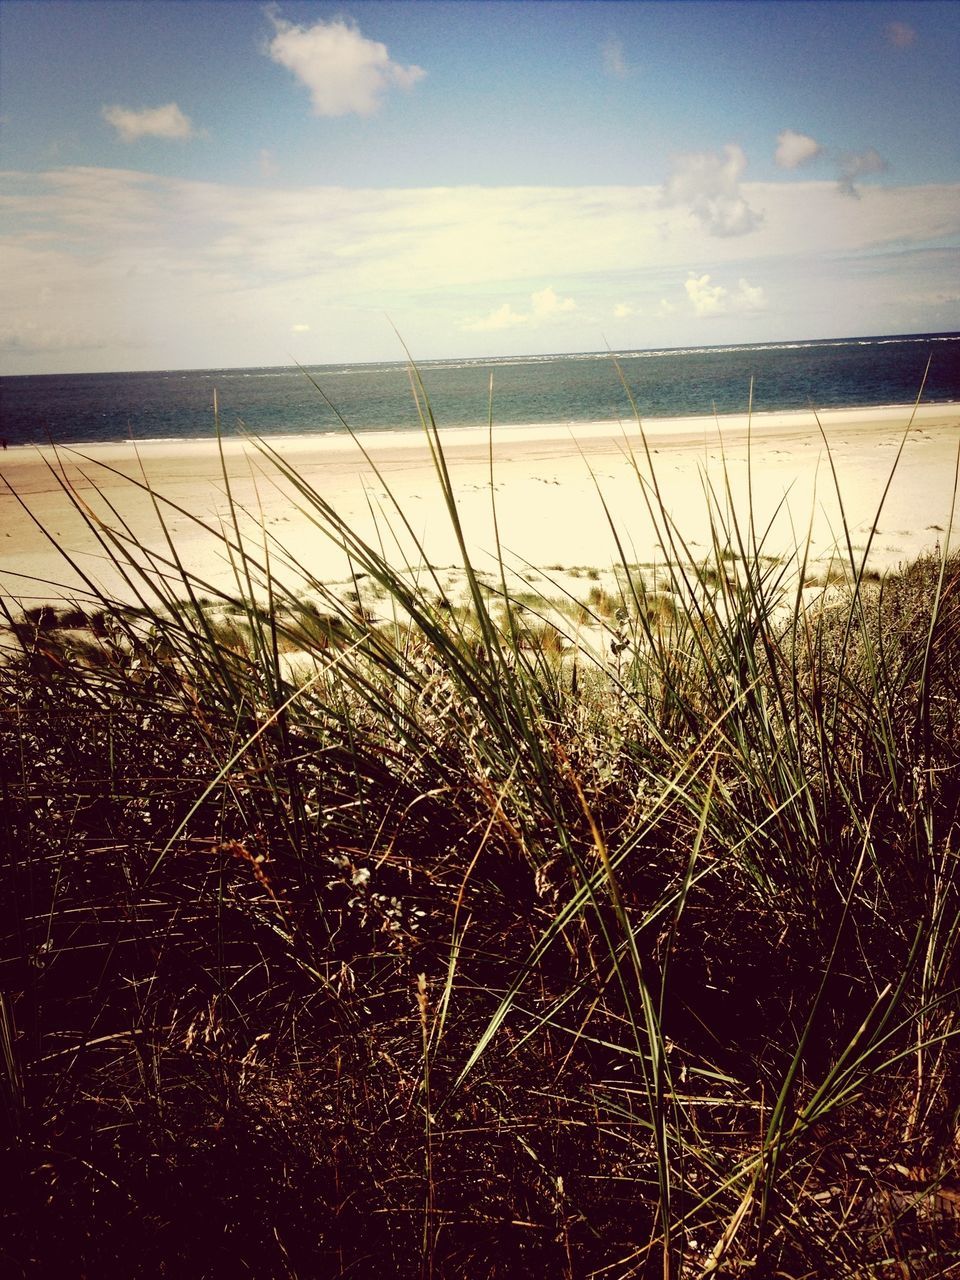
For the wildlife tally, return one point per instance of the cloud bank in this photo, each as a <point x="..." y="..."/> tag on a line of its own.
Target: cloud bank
<point x="167" y="272"/>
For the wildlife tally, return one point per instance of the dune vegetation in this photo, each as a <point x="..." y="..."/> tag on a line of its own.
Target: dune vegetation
<point x="512" y="935"/>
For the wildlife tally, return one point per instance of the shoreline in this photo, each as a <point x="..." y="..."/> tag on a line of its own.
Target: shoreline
<point x="680" y="425"/>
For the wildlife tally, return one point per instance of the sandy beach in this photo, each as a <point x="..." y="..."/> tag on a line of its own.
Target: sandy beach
<point x="547" y="482"/>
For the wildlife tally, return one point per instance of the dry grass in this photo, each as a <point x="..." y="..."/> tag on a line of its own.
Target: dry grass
<point x="476" y="953"/>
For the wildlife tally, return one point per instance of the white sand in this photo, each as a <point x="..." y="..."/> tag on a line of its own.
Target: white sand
<point x="548" y="507"/>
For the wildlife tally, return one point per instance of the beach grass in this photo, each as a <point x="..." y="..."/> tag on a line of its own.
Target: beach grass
<point x="517" y="934"/>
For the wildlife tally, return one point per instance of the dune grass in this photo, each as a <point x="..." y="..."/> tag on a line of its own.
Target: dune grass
<point x="471" y="947"/>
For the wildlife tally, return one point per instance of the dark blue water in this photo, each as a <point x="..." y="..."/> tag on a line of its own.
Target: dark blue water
<point x="82" y="408"/>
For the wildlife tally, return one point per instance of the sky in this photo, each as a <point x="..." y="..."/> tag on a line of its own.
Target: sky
<point x="203" y="184"/>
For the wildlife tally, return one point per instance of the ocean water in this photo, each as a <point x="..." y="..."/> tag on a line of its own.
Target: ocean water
<point x="178" y="404"/>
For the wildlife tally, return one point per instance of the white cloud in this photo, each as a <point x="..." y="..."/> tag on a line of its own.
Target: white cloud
<point x="900" y="34"/>
<point x="152" y="122"/>
<point x="546" y="303"/>
<point x="299" y="328"/>
<point x="855" y="166"/>
<point x="715" y="300"/>
<point x="614" y="62"/>
<point x="622" y="310"/>
<point x="749" y="297"/>
<point x="345" y="72"/>
<point x="709" y="184"/>
<point x="502" y="318"/>
<point x="707" y="299"/>
<point x="666" y="307"/>
<point x="795" y="149"/>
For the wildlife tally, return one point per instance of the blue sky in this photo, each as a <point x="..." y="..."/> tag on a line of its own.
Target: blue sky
<point x="208" y="184"/>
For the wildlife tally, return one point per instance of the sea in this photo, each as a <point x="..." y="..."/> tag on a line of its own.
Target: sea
<point x="177" y="404"/>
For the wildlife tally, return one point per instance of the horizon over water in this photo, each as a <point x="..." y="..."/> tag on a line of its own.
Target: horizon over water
<point x="85" y="408"/>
